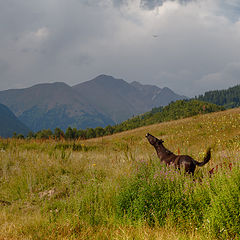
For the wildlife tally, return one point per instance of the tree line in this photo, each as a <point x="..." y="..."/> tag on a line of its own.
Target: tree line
<point x="229" y="98"/>
<point x="173" y="111"/>
<point x="69" y="134"/>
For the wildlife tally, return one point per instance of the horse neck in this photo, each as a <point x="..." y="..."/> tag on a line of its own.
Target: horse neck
<point x="162" y="151"/>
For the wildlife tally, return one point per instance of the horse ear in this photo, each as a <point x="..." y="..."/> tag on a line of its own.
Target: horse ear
<point x="161" y="141"/>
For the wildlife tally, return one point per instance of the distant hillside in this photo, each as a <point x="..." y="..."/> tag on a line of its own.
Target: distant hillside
<point x="229" y="98"/>
<point x="173" y="111"/>
<point x="155" y="96"/>
<point x="114" y="97"/>
<point x="52" y="105"/>
<point x="101" y="101"/>
<point x="9" y="123"/>
<point x="121" y="100"/>
<point x="176" y="110"/>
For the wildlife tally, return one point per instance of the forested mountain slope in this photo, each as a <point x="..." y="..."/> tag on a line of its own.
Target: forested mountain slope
<point x="229" y="98"/>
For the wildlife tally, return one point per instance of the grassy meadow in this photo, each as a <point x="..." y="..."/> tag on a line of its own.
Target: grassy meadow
<point x="115" y="187"/>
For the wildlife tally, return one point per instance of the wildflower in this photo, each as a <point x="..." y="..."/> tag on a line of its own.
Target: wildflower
<point x="94" y="164"/>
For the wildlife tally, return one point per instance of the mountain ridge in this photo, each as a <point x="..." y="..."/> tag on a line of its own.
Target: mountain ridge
<point x="52" y="105"/>
<point x="9" y="123"/>
<point x="115" y="97"/>
<point x="101" y="101"/>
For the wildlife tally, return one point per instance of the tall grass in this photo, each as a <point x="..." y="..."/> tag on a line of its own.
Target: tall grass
<point x="160" y="195"/>
<point x="115" y="187"/>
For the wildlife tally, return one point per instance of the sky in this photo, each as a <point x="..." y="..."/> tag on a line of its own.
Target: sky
<point x="190" y="46"/>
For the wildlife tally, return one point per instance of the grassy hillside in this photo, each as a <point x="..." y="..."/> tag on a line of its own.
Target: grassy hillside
<point x="173" y="111"/>
<point x="115" y="188"/>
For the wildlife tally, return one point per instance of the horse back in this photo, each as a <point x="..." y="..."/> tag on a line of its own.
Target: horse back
<point x="186" y="162"/>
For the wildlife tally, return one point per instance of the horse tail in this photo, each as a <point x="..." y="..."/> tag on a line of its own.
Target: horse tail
<point x="205" y="160"/>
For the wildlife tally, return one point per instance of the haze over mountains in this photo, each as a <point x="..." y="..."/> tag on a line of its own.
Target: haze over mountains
<point x="9" y="123"/>
<point x="101" y="101"/>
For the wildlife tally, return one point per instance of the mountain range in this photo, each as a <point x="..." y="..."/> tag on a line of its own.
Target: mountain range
<point x="101" y="101"/>
<point x="9" y="123"/>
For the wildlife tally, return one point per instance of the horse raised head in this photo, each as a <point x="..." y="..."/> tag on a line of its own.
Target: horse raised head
<point x="179" y="161"/>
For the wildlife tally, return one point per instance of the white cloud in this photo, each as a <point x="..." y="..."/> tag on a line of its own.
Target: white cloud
<point x="41" y="34"/>
<point x="32" y="40"/>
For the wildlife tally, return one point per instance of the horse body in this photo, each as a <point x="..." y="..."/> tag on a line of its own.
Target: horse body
<point x="178" y="161"/>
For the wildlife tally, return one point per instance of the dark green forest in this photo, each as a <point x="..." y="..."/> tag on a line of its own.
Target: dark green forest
<point x="175" y="110"/>
<point x="229" y="98"/>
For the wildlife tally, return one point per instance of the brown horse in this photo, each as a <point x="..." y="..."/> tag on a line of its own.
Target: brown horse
<point x="185" y="161"/>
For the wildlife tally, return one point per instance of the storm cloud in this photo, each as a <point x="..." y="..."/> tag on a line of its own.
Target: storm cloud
<point x="190" y="46"/>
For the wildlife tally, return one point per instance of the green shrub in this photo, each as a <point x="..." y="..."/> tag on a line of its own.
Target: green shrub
<point x="222" y="216"/>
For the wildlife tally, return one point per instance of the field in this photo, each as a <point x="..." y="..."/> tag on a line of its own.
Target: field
<point x="115" y="187"/>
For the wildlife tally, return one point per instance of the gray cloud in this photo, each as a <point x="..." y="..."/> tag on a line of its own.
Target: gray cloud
<point x="151" y="4"/>
<point x="73" y="41"/>
<point x="226" y="77"/>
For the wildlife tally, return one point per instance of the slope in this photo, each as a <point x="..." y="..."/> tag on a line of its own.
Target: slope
<point x="101" y="101"/>
<point x="111" y="182"/>
<point x="175" y="110"/>
<point x="9" y="123"/>
<point x="121" y="100"/>
<point x="52" y="105"/>
<point x="155" y="96"/>
<point x="115" y="97"/>
<point x="229" y="98"/>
